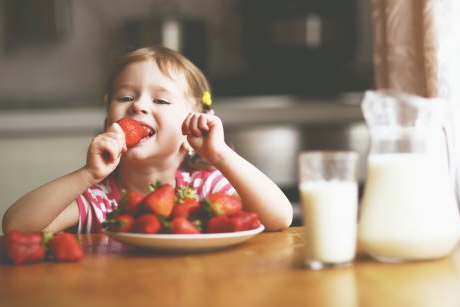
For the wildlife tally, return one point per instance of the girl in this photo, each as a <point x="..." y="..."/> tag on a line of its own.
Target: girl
<point x="170" y="96"/>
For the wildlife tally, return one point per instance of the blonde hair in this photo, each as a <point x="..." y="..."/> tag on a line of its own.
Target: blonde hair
<point x="173" y="65"/>
<point x="177" y="67"/>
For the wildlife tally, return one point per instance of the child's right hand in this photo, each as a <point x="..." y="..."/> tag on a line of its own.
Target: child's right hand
<point x="105" y="151"/>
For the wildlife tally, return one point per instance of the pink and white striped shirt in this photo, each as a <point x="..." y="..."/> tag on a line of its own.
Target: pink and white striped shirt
<point x="102" y="198"/>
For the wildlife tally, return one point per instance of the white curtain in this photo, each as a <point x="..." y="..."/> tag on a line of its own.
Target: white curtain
<point x="417" y="50"/>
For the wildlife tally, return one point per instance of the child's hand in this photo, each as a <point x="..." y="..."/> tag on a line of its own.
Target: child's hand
<point x="105" y="151"/>
<point x="205" y="133"/>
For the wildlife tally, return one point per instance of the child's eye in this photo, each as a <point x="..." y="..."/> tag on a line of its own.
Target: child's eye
<point x="125" y="98"/>
<point x="161" y="101"/>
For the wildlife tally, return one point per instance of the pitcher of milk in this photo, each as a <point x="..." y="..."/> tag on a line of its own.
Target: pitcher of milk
<point x="409" y="209"/>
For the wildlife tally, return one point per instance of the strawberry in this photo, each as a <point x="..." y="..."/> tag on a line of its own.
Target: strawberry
<point x="161" y="200"/>
<point x="181" y="225"/>
<point x="218" y="224"/>
<point x="245" y="221"/>
<point x="64" y="247"/>
<point x="221" y="203"/>
<point x="240" y="221"/>
<point x="18" y="248"/>
<point x="187" y="206"/>
<point x="134" y="131"/>
<point x="130" y="201"/>
<point x="187" y="202"/>
<point x="147" y="223"/>
<point x="121" y="223"/>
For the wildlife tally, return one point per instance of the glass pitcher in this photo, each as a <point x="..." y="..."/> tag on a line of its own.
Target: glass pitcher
<point x="409" y="209"/>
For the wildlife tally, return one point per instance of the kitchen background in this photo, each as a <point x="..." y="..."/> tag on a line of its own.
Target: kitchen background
<point x="287" y="75"/>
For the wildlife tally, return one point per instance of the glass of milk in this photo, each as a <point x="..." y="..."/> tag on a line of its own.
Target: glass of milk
<point x="329" y="199"/>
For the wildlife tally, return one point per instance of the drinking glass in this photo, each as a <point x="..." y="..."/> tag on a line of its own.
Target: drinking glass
<point x="329" y="200"/>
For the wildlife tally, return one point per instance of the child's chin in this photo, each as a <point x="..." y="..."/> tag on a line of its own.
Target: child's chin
<point x="135" y="153"/>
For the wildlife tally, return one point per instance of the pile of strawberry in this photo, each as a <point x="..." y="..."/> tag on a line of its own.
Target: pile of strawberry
<point x="21" y="248"/>
<point x="170" y="210"/>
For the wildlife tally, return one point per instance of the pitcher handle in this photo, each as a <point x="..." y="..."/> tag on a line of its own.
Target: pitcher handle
<point x="450" y="149"/>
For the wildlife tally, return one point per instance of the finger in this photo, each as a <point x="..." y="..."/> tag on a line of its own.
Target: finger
<point x="108" y="146"/>
<point x="186" y="124"/>
<point x="115" y="131"/>
<point x="213" y="120"/>
<point x="118" y="133"/>
<point x="203" y="123"/>
<point x="114" y="128"/>
<point x="111" y="150"/>
<point x="193" y="126"/>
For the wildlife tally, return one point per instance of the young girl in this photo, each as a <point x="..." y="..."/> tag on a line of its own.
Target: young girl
<point x="170" y="96"/>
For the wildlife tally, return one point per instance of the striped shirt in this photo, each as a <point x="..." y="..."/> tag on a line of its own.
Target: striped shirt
<point x="102" y="198"/>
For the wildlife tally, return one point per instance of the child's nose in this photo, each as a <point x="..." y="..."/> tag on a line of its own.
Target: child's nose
<point x="140" y="106"/>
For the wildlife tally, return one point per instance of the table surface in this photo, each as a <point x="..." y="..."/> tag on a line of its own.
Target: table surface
<point x="266" y="270"/>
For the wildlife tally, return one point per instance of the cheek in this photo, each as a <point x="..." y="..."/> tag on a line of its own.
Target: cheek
<point x="181" y="114"/>
<point x="114" y="113"/>
<point x="109" y="120"/>
<point x="173" y="125"/>
<point x="193" y="106"/>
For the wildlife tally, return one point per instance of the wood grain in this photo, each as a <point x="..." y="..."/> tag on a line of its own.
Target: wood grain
<point x="267" y="270"/>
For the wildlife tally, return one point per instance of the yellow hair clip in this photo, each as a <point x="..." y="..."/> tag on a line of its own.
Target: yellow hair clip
<point x="206" y="99"/>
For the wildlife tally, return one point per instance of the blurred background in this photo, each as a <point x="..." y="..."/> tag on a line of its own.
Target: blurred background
<point x="287" y="76"/>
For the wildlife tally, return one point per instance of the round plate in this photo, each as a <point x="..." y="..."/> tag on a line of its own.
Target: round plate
<point x="184" y="243"/>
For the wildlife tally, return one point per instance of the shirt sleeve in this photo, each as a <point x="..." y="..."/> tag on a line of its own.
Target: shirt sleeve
<point x="209" y="182"/>
<point x="94" y="205"/>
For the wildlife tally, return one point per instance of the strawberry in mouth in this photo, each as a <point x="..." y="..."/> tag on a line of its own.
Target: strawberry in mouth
<point x="149" y="133"/>
<point x="135" y="131"/>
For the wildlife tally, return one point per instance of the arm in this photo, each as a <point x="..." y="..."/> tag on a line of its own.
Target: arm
<point x="52" y="207"/>
<point x="258" y="192"/>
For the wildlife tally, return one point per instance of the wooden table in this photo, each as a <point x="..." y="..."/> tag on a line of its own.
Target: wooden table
<point x="267" y="270"/>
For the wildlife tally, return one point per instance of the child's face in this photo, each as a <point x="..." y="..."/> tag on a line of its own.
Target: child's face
<point x="143" y="92"/>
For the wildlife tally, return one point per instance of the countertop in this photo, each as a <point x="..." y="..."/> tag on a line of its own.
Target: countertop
<point x="266" y="270"/>
<point x="234" y="111"/>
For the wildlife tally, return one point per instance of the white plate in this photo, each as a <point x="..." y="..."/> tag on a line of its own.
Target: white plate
<point x="184" y="243"/>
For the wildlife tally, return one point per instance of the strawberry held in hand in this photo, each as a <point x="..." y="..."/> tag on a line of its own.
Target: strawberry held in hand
<point x="134" y="131"/>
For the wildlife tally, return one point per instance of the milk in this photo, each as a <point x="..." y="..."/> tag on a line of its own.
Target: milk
<point x="408" y="210"/>
<point x="329" y="211"/>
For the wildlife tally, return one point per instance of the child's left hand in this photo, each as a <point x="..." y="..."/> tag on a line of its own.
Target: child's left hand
<point x="205" y="133"/>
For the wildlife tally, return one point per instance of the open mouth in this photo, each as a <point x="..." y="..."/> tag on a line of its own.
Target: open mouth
<point x="149" y="131"/>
